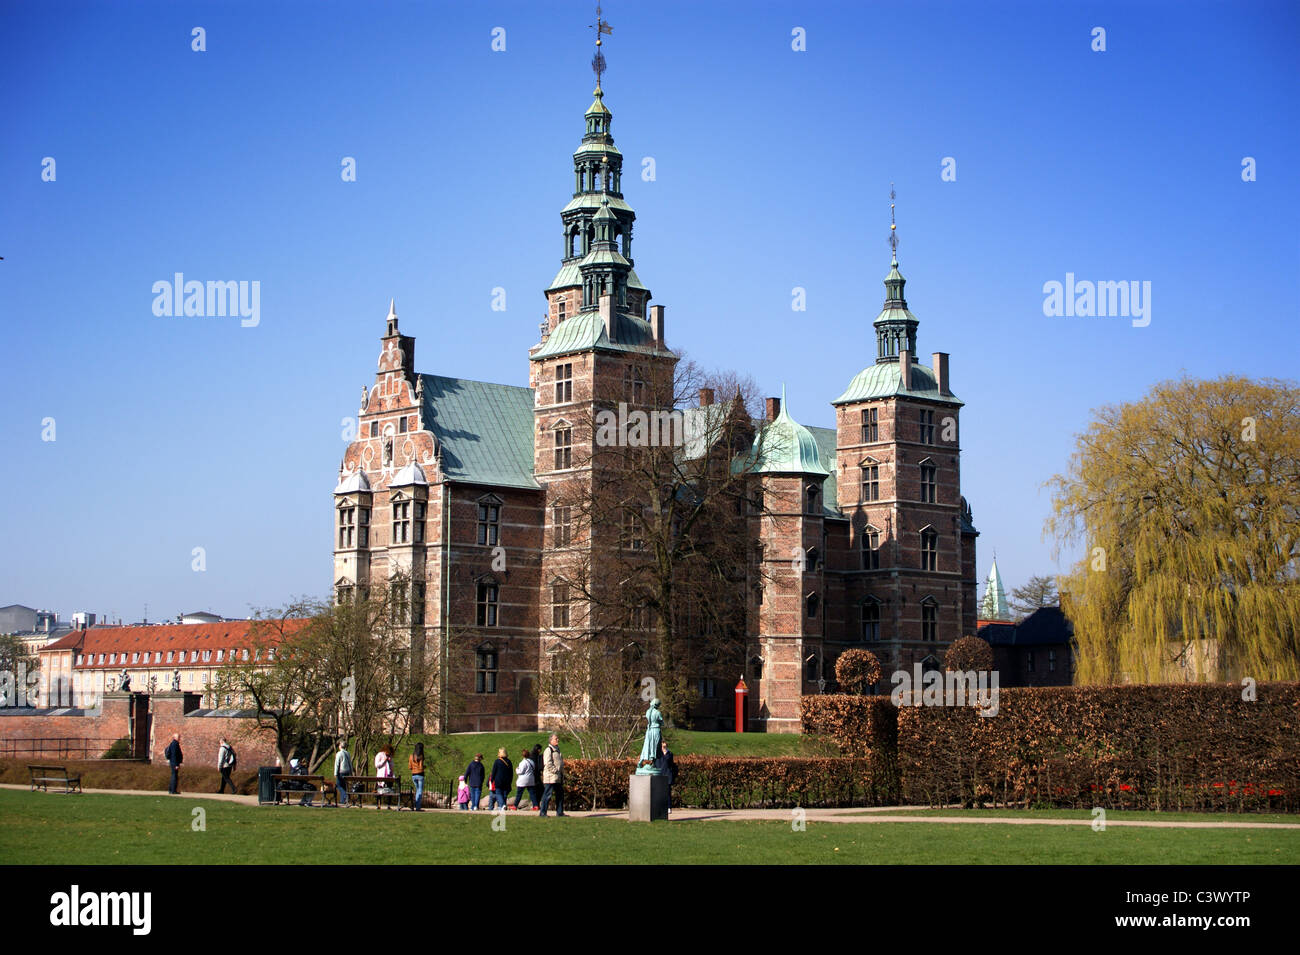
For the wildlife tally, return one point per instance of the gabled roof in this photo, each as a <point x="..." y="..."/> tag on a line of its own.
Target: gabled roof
<point x="484" y="430"/>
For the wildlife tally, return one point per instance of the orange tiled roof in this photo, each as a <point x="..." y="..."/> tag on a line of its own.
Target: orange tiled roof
<point x="124" y="642"/>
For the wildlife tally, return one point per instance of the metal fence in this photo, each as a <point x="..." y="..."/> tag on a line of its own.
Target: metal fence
<point x="54" y="747"/>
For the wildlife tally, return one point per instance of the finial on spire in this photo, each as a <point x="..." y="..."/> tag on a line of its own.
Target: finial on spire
<point x="392" y="308"/>
<point x="598" y="61"/>
<point x="893" y="228"/>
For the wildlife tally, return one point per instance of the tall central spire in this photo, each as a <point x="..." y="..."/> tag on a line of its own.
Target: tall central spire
<point x="895" y="325"/>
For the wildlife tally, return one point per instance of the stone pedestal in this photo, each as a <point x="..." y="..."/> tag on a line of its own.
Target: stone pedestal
<point x="647" y="798"/>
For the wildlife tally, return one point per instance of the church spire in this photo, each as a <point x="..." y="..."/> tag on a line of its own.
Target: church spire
<point x="994" y="604"/>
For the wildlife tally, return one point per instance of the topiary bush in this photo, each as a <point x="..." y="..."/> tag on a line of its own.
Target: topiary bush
<point x="968" y="653"/>
<point x="856" y="670"/>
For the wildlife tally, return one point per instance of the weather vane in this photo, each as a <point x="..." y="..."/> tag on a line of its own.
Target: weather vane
<point x="893" y="229"/>
<point x="598" y="61"/>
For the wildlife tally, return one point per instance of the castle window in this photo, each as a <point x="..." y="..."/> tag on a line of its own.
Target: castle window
<point x="1029" y="661"/>
<point x="929" y="549"/>
<point x="929" y="620"/>
<point x="756" y="667"/>
<point x="374" y="429"/>
<point x="485" y="670"/>
<point x="563" y="448"/>
<point x="488" y="597"/>
<point x="707" y="688"/>
<point x="929" y="482"/>
<point x="927" y="427"/>
<point x="401" y="424"/>
<point x="870" y="426"/>
<point x="402" y="522"/>
<point x="1051" y="661"/>
<point x="632" y="536"/>
<point x="347" y="529"/>
<point x="870" y="480"/>
<point x="419" y="522"/>
<point x="810" y="670"/>
<point x="870" y="544"/>
<point x="417" y="602"/>
<point x="489" y="522"/>
<point x="170" y="655"/>
<point x="812" y="603"/>
<point x="561" y="520"/>
<point x="870" y="620"/>
<point x="563" y="378"/>
<point x="561" y="306"/>
<point x="363" y="527"/>
<point x="813" y="495"/>
<point x="634" y="384"/>
<point x="559" y="605"/>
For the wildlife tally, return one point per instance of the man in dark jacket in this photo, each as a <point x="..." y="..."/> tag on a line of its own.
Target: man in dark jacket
<point x="474" y="775"/>
<point x="503" y="772"/>
<point x="666" y="767"/>
<point x="175" y="758"/>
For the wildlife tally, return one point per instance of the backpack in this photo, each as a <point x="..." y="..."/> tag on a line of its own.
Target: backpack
<point x="345" y="764"/>
<point x="231" y="758"/>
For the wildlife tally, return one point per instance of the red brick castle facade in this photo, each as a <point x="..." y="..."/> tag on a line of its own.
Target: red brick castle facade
<point x="458" y="485"/>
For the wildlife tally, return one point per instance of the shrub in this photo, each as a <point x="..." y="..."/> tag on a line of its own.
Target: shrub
<point x="121" y="749"/>
<point x="968" y="653"/>
<point x="855" y="670"/>
<point x="733" y="782"/>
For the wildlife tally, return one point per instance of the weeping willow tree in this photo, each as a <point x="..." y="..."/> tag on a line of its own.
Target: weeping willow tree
<point x="1187" y="506"/>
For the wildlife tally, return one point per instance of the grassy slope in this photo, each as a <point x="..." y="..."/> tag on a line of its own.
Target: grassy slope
<point x="447" y="756"/>
<point x="38" y="828"/>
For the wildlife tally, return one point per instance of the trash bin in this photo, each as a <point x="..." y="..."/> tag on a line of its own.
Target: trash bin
<point x="265" y="784"/>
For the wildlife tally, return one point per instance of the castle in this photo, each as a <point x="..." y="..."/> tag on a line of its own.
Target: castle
<point x="465" y="489"/>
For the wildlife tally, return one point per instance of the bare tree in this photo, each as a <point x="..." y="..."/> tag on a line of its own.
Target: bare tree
<point x="1036" y="592"/>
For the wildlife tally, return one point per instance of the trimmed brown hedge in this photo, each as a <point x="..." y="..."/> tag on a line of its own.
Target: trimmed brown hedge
<point x="855" y="725"/>
<point x="1171" y="747"/>
<point x="732" y="782"/>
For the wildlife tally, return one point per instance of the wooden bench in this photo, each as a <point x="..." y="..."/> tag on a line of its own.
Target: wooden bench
<point x="361" y="788"/>
<point x="42" y="776"/>
<point x="290" y="785"/>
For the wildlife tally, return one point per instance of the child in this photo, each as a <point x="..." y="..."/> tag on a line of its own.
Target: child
<point x="462" y="794"/>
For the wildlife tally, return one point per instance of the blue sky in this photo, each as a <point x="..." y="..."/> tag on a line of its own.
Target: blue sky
<point x="772" y="171"/>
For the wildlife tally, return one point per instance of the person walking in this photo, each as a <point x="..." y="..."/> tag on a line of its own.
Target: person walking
<point x="553" y="778"/>
<point x="526" y="779"/>
<point x="175" y="759"/>
<point x="474" y="775"/>
<point x="667" y="767"/>
<point x="416" y="763"/>
<point x="535" y="791"/>
<point x="342" y="770"/>
<point x="226" y="760"/>
<point x="503" y="771"/>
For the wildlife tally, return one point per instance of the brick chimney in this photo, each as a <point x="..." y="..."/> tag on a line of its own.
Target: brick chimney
<point x="607" y="315"/>
<point x="706" y="397"/>
<point x="905" y="368"/>
<point x="657" y="324"/>
<point x="773" y="408"/>
<point x="940" y="360"/>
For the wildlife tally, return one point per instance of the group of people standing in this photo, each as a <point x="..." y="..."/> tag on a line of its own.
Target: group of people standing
<point x="539" y="773"/>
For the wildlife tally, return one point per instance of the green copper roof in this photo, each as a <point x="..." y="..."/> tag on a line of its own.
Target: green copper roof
<point x="598" y="104"/>
<point x="586" y="330"/>
<point x="885" y="380"/>
<point x="484" y="431"/>
<point x="597" y="148"/>
<point x="592" y="200"/>
<point x="826" y="443"/>
<point x="570" y="276"/>
<point x="784" y="446"/>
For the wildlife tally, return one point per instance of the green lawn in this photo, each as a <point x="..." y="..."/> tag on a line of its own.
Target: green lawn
<point x="40" y="828"/>
<point x="1111" y="815"/>
<point x="447" y="756"/>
